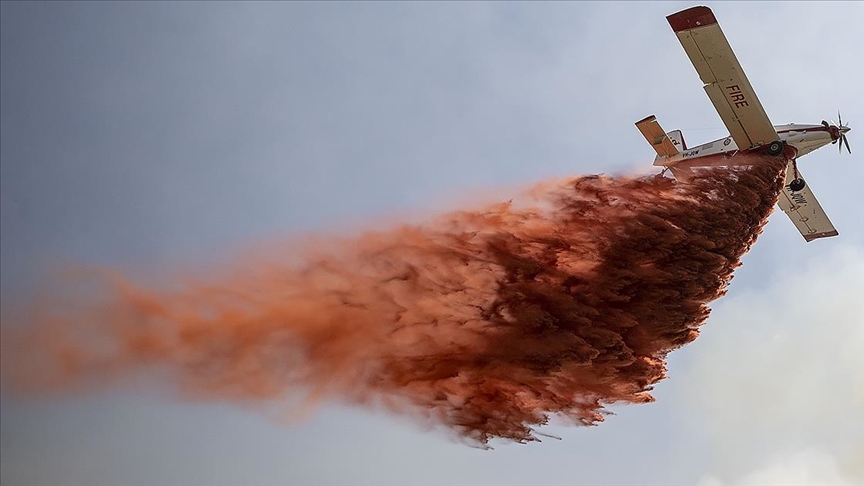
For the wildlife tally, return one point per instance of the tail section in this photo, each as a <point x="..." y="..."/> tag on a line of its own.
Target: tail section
<point x="677" y="140"/>
<point x="654" y="134"/>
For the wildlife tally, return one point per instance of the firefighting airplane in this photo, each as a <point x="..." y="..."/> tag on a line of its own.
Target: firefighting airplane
<point x="749" y="127"/>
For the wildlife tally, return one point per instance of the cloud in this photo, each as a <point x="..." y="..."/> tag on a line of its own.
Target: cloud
<point x="801" y="468"/>
<point x="776" y="382"/>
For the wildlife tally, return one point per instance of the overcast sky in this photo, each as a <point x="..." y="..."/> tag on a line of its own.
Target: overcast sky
<point x="143" y="135"/>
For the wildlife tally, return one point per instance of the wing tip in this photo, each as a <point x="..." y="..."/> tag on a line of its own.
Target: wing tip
<point x="824" y="234"/>
<point x="691" y="18"/>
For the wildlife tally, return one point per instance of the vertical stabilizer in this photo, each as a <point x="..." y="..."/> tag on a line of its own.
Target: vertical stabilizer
<point x="677" y="140"/>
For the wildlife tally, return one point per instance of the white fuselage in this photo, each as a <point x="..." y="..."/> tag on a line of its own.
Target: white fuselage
<point x="803" y="138"/>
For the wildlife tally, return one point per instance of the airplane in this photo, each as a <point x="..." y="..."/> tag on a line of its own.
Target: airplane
<point x="749" y="127"/>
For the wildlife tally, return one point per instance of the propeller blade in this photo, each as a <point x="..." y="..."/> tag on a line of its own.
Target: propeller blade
<point x="839" y="120"/>
<point x="847" y="143"/>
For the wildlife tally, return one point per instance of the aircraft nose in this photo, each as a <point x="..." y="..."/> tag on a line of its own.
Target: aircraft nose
<point x="844" y="129"/>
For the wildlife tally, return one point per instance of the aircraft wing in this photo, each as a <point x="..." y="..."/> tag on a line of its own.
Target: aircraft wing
<point x="804" y="210"/>
<point x="725" y="82"/>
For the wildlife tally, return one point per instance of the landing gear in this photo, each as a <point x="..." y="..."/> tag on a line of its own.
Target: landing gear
<point x="797" y="182"/>
<point x="775" y="148"/>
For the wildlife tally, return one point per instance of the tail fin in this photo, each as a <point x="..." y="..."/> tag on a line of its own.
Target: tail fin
<point x="677" y="139"/>
<point x="655" y="136"/>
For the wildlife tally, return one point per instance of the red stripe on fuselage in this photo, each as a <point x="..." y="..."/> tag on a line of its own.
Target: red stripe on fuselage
<point x="820" y="128"/>
<point x="832" y="131"/>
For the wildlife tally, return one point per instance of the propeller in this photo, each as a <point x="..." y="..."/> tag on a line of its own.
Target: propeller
<point x="843" y="130"/>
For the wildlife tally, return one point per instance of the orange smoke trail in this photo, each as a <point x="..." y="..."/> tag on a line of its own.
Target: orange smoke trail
<point x="487" y="322"/>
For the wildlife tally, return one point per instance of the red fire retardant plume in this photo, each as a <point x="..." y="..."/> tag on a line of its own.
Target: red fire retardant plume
<point x="487" y="322"/>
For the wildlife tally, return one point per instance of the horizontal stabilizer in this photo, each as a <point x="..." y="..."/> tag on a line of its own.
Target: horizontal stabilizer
<point x="655" y="136"/>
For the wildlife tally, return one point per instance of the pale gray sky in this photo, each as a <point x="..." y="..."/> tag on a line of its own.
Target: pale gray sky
<point x="147" y="134"/>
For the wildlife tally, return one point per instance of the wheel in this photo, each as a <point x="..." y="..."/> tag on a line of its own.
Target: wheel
<point x="796" y="185"/>
<point x="775" y="148"/>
